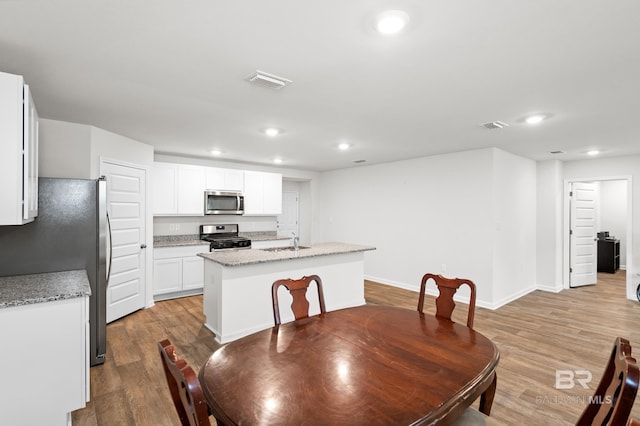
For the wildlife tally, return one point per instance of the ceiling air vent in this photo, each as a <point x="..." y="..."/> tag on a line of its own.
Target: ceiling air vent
<point x="495" y="125"/>
<point x="271" y="81"/>
<point x="359" y="161"/>
<point x="556" y="152"/>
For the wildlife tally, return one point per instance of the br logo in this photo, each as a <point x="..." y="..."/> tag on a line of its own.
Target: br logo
<point x="567" y="379"/>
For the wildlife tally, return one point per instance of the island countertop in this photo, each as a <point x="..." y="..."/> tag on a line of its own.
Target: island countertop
<point x="253" y="256"/>
<point x="47" y="287"/>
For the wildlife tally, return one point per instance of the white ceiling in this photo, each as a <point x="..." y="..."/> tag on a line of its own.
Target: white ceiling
<point x="171" y="74"/>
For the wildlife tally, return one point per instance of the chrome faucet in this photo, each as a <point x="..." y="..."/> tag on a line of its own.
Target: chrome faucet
<point x="296" y="239"/>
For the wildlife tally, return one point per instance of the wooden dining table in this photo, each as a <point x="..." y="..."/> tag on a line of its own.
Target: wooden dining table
<point x="368" y="365"/>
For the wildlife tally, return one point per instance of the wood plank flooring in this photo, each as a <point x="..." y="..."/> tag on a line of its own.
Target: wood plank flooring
<point x="537" y="334"/>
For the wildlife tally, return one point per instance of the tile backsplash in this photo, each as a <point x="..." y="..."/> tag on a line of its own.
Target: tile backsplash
<point x="184" y="225"/>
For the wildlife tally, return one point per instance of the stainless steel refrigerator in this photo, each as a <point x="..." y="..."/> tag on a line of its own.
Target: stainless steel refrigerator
<point x="70" y="232"/>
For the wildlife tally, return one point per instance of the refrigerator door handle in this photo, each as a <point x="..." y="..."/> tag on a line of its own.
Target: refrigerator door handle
<point x="109" y="247"/>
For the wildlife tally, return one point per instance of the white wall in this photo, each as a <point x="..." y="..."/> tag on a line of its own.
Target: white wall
<point x="71" y="150"/>
<point x="106" y="144"/>
<point x="514" y="237"/>
<point x="442" y="214"/>
<point x="549" y="225"/>
<point x="613" y="212"/>
<point x="64" y="149"/>
<point x="616" y="168"/>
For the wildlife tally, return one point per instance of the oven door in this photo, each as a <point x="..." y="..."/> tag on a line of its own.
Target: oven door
<point x="223" y="202"/>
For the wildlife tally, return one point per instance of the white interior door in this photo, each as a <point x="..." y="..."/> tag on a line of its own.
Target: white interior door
<point x="583" y="244"/>
<point x="126" y="207"/>
<point x="288" y="220"/>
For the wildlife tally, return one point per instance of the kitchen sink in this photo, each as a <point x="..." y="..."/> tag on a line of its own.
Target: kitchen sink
<point x="277" y="249"/>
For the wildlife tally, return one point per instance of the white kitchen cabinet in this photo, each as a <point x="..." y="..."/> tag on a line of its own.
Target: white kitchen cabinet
<point x="18" y="152"/>
<point x="224" y="179"/>
<point x="178" y="270"/>
<point x="191" y="180"/>
<point x="45" y="366"/>
<point x="167" y="274"/>
<point x="165" y="189"/>
<point x="192" y="272"/>
<point x="262" y="194"/>
<point x="178" y="189"/>
<point x="272" y="187"/>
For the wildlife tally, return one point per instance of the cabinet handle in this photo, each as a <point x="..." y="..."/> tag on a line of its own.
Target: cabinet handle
<point x="143" y="246"/>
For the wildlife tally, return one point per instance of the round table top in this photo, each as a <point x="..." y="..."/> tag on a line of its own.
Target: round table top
<point x="365" y="365"/>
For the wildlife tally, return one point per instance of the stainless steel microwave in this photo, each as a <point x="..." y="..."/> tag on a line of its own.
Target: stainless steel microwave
<point x="223" y="202"/>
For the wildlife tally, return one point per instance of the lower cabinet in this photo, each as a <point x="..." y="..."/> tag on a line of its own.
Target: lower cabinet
<point x="178" y="271"/>
<point x="44" y="362"/>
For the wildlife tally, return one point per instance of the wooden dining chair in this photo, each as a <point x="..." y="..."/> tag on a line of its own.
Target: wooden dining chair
<point x="447" y="288"/>
<point x="184" y="387"/>
<point x="614" y="397"/>
<point x="298" y="291"/>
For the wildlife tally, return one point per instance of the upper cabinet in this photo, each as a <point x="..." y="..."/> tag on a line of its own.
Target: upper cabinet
<point x="224" y="179"/>
<point x="165" y="188"/>
<point x="178" y="189"/>
<point x="262" y="194"/>
<point x="191" y="180"/>
<point x="18" y="152"/>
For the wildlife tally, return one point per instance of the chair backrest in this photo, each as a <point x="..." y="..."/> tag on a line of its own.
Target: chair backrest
<point x="184" y="386"/>
<point x="298" y="290"/>
<point x="616" y="392"/>
<point x="447" y="288"/>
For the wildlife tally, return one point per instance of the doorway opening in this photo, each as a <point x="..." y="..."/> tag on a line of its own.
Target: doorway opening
<point x="593" y="208"/>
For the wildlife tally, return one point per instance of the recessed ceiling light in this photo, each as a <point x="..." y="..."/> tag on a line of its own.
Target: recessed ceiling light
<point x="271" y="132"/>
<point x="535" y="119"/>
<point x="593" y="152"/>
<point x="277" y="160"/>
<point x="344" y="146"/>
<point x="392" y="22"/>
<point x="215" y="152"/>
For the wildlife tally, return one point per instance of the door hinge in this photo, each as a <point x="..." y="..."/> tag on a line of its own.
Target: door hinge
<point x="570" y="231"/>
<point x="570" y="193"/>
<point x="570" y="270"/>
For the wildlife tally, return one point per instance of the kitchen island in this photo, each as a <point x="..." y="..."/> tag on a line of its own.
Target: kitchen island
<point x="237" y="284"/>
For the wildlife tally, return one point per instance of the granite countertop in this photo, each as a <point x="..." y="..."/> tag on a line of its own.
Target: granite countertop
<point x="263" y="236"/>
<point x="194" y="240"/>
<point x="178" y="240"/>
<point x="254" y="256"/>
<point x="23" y="290"/>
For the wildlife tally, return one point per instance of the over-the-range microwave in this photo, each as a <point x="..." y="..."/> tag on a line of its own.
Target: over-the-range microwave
<point x="223" y="202"/>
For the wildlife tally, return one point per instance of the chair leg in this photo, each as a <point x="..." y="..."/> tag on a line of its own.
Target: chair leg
<point x="486" y="399"/>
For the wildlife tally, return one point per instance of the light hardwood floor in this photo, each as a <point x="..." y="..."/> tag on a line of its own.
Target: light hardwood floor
<point x="538" y="334"/>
